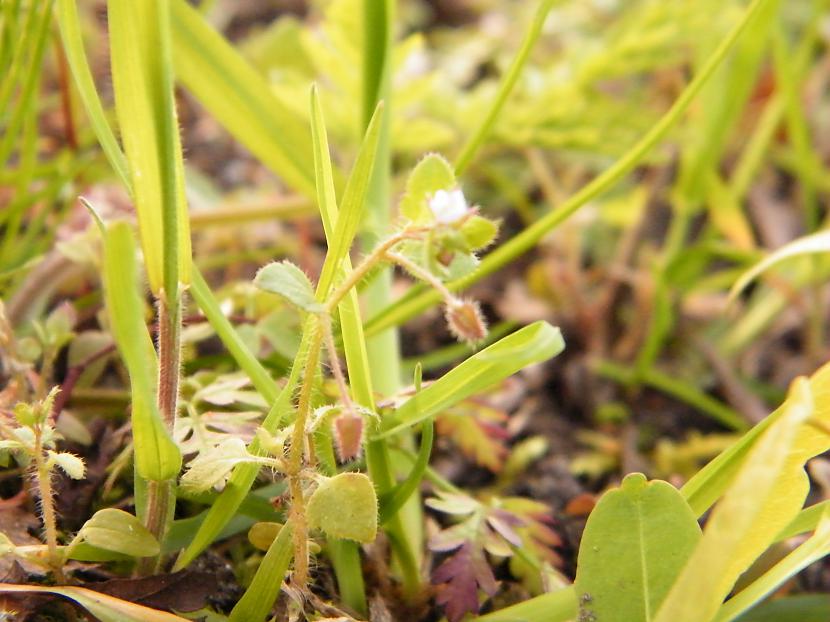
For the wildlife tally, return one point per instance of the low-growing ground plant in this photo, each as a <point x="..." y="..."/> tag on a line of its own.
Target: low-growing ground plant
<point x="273" y="423"/>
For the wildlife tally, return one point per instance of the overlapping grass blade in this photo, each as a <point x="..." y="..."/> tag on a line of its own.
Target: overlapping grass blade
<point x="143" y="85"/>
<point x="240" y="98"/>
<point x="156" y="455"/>
<point x="73" y="45"/>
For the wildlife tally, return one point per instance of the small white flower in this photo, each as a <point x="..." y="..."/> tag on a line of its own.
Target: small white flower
<point x="448" y="207"/>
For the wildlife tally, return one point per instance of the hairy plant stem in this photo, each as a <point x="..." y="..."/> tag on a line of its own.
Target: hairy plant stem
<point x="299" y="521"/>
<point x="47" y="508"/>
<point x="161" y="495"/>
<point x="371" y="261"/>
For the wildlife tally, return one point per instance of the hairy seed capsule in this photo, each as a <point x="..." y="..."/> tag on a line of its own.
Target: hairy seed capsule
<point x="465" y="320"/>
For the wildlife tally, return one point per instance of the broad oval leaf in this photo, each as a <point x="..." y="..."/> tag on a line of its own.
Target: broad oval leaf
<point x="115" y="530"/>
<point x="345" y="507"/>
<point x="636" y="542"/>
<point x="289" y="281"/>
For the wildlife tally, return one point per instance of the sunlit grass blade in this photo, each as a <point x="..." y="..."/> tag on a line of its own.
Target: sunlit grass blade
<point x="156" y="455"/>
<point x="476" y="140"/>
<point x="710" y="483"/>
<point x="73" y="45"/>
<point x="352" y="205"/>
<point x="738" y="530"/>
<point x="410" y="306"/>
<point x="143" y="85"/>
<point x="814" y="549"/>
<point x="817" y="243"/>
<point x="240" y="98"/>
<point x="344" y="554"/>
<point x="532" y="344"/>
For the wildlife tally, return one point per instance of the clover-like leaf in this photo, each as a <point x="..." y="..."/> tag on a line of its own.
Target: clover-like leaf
<point x="289" y="281"/>
<point x="432" y="174"/>
<point x="119" y="531"/>
<point x="345" y="507"/>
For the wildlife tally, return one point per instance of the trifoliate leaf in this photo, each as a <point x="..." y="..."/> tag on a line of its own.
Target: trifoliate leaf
<point x="430" y="175"/>
<point x="287" y="280"/>
<point x="119" y="531"/>
<point x="345" y="507"/>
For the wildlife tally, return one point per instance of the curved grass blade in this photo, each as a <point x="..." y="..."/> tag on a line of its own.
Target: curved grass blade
<point x="265" y="587"/>
<point x="814" y="549"/>
<point x="532" y="344"/>
<point x="157" y="456"/>
<point x="394" y="500"/>
<point x="104" y="607"/>
<point x="73" y="45"/>
<point x="240" y="98"/>
<point x="474" y="142"/>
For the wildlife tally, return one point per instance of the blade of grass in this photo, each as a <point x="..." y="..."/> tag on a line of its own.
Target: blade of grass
<point x="240" y="98"/>
<point x="265" y="587"/>
<point x="535" y="343"/>
<point x="814" y="549"/>
<point x="737" y="531"/>
<point x="73" y="45"/>
<point x="103" y="606"/>
<point x="476" y="140"/>
<point x="558" y="606"/>
<point x="143" y="86"/>
<point x="157" y="457"/>
<point x="422" y="299"/>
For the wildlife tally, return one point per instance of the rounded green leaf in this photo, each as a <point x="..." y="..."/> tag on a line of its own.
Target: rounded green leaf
<point x="345" y="507"/>
<point x="287" y="280"/>
<point x="115" y="530"/>
<point x="637" y="540"/>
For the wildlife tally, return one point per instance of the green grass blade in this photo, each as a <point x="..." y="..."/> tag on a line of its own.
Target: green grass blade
<point x="103" y="606"/>
<point x="344" y="554"/>
<point x="352" y="205"/>
<point x="408" y="307"/>
<point x="394" y="500"/>
<point x="156" y="454"/>
<point x="265" y="587"/>
<point x="738" y="530"/>
<point x="476" y="140"/>
<point x="814" y="549"/>
<point x="240" y="98"/>
<point x="143" y="85"/>
<point x="532" y="344"/>
<point x="73" y="45"/>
